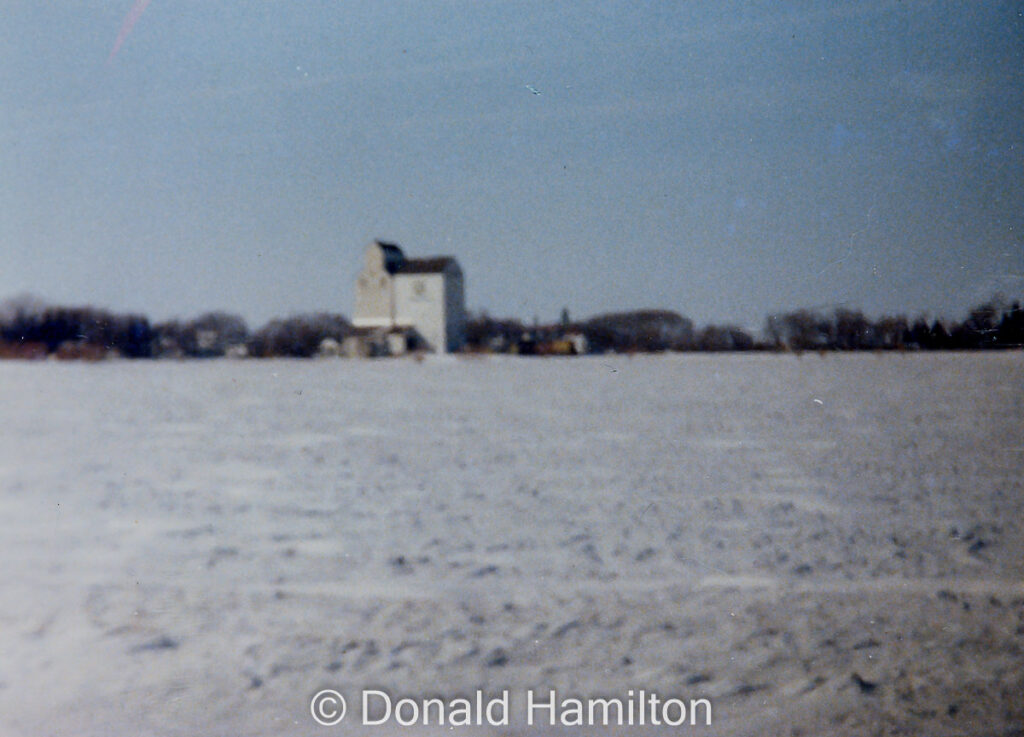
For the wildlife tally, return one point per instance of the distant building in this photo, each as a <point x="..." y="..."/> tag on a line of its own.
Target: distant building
<point x="420" y="298"/>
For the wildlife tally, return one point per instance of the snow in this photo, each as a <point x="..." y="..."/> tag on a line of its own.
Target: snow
<point x="196" y="548"/>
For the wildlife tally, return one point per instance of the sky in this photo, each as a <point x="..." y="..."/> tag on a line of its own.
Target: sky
<point x="722" y="159"/>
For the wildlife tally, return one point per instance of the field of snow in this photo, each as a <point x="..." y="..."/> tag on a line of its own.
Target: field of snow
<point x="818" y="545"/>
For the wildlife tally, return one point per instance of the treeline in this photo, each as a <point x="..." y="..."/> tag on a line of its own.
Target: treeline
<point x="989" y="326"/>
<point x="993" y="325"/>
<point x="31" y="329"/>
<point x="638" y="331"/>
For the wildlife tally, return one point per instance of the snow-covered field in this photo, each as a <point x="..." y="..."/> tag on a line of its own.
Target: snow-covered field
<point x="818" y="545"/>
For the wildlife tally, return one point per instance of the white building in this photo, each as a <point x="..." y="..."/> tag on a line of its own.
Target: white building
<point x="399" y="294"/>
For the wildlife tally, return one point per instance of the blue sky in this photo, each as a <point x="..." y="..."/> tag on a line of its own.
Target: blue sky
<point x="722" y="159"/>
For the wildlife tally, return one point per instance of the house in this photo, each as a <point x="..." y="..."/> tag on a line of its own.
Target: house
<point x="420" y="298"/>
